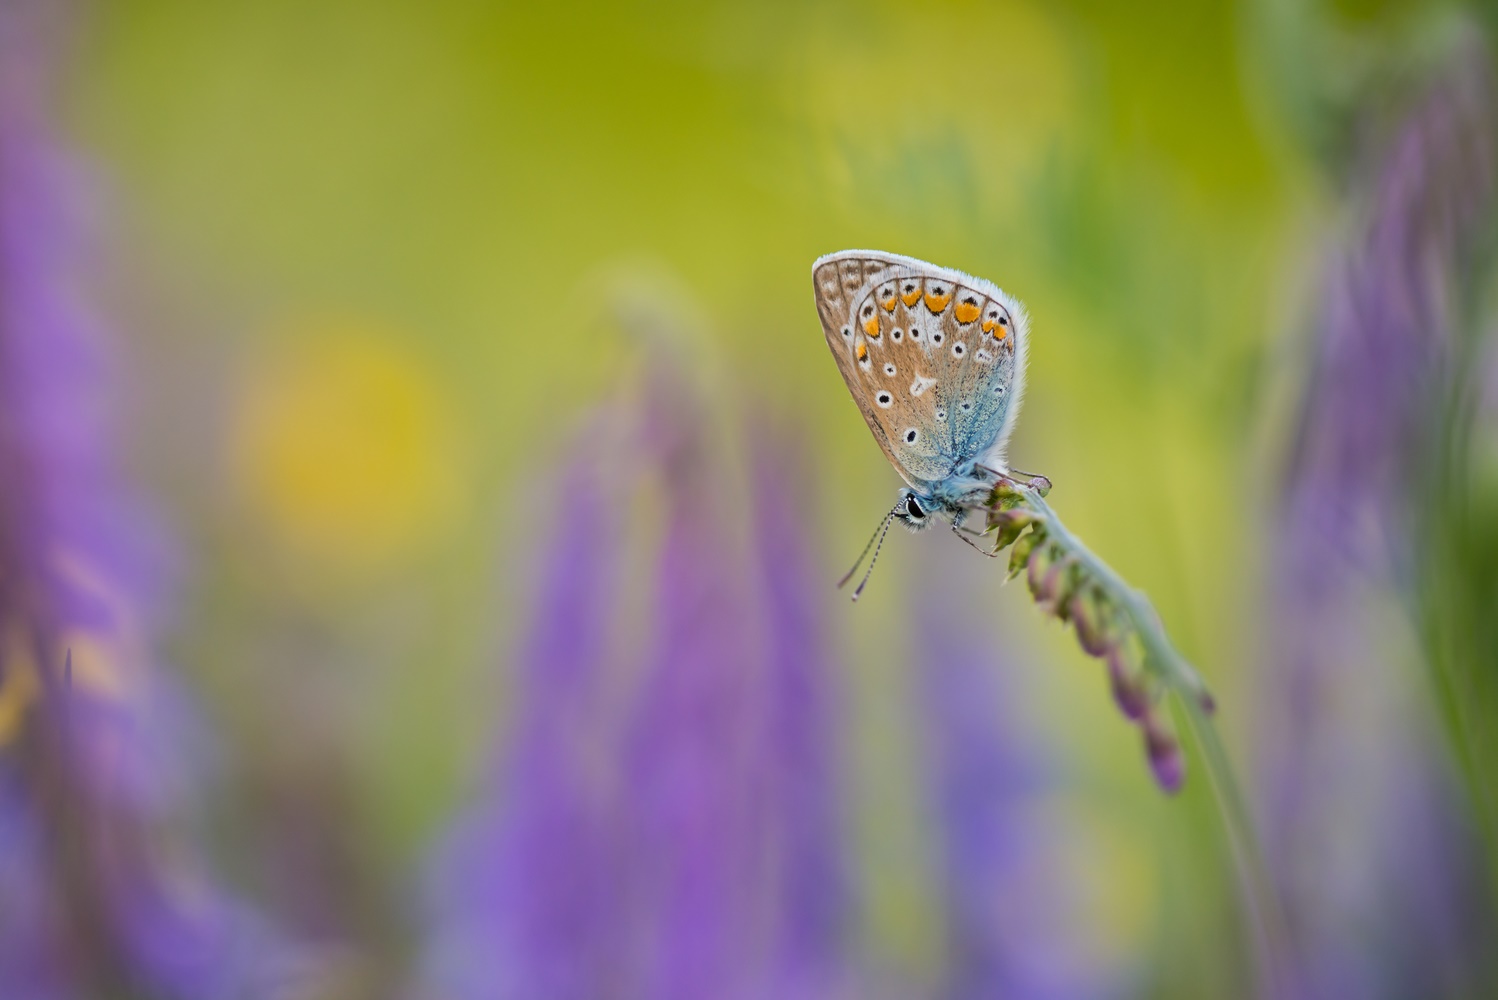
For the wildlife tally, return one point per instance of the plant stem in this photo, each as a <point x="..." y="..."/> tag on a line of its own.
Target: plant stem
<point x="1182" y="680"/>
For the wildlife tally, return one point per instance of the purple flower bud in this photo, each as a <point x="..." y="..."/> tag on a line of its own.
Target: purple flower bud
<point x="1166" y="759"/>
<point x="1128" y="693"/>
<point x="1068" y="578"/>
<point x="1087" y="613"/>
<point x="1035" y="573"/>
<point x="1040" y="484"/>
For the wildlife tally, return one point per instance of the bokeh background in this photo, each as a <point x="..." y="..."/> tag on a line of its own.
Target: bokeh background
<point x="423" y="479"/>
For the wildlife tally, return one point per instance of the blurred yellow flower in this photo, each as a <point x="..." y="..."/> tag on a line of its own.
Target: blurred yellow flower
<point x="344" y="448"/>
<point x="105" y="659"/>
<point x="19" y="685"/>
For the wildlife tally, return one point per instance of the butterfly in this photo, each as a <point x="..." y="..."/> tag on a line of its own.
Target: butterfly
<point x="935" y="360"/>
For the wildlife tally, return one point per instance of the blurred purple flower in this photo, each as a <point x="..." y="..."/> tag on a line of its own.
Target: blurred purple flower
<point x="695" y="774"/>
<point x="1361" y="827"/>
<point x="528" y="893"/>
<point x="1002" y="879"/>
<point x="664" y="827"/>
<point x="1386" y="340"/>
<point x="96" y="896"/>
<point x="802" y="726"/>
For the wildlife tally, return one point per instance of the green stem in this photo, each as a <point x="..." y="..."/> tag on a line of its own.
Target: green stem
<point x="1161" y="655"/>
<point x="1182" y="680"/>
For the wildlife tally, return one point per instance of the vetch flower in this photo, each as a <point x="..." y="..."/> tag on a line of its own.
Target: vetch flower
<point x="1359" y="814"/>
<point x="100" y="891"/>
<point x="664" y="821"/>
<point x="1019" y="879"/>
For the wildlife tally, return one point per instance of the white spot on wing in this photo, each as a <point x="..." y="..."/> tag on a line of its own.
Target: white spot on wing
<point x="921" y="384"/>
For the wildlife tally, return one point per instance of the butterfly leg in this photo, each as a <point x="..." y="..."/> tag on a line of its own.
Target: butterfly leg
<point x="967" y="535"/>
<point x="1034" y="480"/>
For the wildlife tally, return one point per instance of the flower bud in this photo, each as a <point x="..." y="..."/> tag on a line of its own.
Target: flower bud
<point x="1040" y="484"/>
<point x="1005" y="495"/>
<point x="1037" y="574"/>
<point x="1014" y="515"/>
<point x="1069" y="576"/>
<point x="1087" y="611"/>
<point x="1128" y="693"/>
<point x="1010" y="523"/>
<point x="1166" y="759"/>
<point x="1019" y="557"/>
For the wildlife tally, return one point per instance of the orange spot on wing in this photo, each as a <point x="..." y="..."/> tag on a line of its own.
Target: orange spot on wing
<point x="911" y="297"/>
<point x="889" y="303"/>
<point x="863" y="352"/>
<point x="936" y="303"/>
<point x="966" y="312"/>
<point x="871" y="327"/>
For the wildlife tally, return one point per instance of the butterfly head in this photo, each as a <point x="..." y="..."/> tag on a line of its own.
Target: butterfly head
<point x="916" y="511"/>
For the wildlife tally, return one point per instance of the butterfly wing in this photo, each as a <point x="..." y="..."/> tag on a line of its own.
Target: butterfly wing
<point x="934" y="358"/>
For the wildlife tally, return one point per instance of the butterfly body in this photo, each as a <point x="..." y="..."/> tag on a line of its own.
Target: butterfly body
<point x="935" y="360"/>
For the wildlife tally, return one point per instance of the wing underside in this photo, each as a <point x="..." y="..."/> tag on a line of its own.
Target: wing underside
<point x="933" y="358"/>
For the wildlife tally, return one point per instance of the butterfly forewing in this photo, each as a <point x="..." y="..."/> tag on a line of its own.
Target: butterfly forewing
<point x="934" y="358"/>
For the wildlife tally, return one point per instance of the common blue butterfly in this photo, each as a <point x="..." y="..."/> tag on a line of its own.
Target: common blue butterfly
<point x="935" y="360"/>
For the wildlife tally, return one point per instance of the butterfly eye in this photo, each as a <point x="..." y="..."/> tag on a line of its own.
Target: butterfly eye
<point x="911" y="436"/>
<point x="913" y="508"/>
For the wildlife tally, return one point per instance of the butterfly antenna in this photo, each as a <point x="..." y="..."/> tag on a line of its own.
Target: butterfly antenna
<point x="872" y="538"/>
<point x="870" y="571"/>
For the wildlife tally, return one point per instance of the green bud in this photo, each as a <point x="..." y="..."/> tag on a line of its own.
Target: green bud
<point x="1009" y="524"/>
<point x="1019" y="556"/>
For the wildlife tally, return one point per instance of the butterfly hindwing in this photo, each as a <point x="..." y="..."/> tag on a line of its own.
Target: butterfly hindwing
<point x="934" y="358"/>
